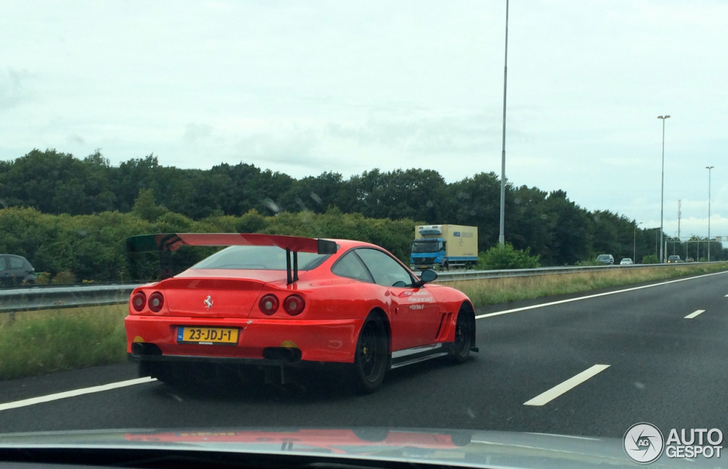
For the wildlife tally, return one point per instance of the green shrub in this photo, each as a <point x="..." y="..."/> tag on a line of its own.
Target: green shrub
<point x="65" y="277"/>
<point x="507" y="257"/>
<point x="43" y="278"/>
<point x="650" y="259"/>
<point x="588" y="262"/>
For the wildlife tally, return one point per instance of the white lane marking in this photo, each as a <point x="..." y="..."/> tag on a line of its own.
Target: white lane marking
<point x="542" y="305"/>
<point x="74" y="393"/>
<point x="695" y="313"/>
<point x="556" y="391"/>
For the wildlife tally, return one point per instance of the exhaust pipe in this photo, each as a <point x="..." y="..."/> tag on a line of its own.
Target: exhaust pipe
<point x="288" y="355"/>
<point x="143" y="348"/>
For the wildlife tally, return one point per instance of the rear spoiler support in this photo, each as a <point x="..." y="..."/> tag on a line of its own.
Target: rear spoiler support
<point x="291" y="275"/>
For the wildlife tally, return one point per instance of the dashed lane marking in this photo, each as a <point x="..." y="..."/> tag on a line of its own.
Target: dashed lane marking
<point x="695" y="313"/>
<point x="569" y="384"/>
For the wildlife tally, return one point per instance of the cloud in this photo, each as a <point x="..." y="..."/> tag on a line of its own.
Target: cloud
<point x="429" y="135"/>
<point x="196" y="132"/>
<point x="294" y="146"/>
<point x="76" y="139"/>
<point x="14" y="88"/>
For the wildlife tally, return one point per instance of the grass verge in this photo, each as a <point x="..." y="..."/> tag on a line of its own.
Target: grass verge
<point x="40" y="342"/>
<point x="505" y="290"/>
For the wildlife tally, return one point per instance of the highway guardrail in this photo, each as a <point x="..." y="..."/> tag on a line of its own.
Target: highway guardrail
<point x="59" y="297"/>
<point x="72" y="296"/>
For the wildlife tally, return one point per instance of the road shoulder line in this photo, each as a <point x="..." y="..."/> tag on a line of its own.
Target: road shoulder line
<point x="596" y="295"/>
<point x="74" y="393"/>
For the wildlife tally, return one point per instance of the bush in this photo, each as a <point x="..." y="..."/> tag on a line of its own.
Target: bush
<point x="43" y="278"/>
<point x="587" y="262"/>
<point x="507" y="257"/>
<point x="650" y="259"/>
<point x="64" y="278"/>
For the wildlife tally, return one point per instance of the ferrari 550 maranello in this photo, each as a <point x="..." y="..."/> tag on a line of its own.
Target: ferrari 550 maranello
<point x="279" y="302"/>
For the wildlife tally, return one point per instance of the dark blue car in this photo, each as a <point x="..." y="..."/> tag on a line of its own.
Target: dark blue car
<point x="15" y="270"/>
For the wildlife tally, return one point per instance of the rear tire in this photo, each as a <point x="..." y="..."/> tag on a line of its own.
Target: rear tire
<point x="372" y="355"/>
<point x="460" y="351"/>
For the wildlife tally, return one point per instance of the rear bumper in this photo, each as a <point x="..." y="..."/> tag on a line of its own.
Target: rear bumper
<point x="258" y="340"/>
<point x="214" y="360"/>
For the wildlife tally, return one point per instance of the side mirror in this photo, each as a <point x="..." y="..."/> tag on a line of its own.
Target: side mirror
<point x="427" y="276"/>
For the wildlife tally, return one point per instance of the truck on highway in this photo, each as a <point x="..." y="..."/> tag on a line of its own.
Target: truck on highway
<point x="441" y="247"/>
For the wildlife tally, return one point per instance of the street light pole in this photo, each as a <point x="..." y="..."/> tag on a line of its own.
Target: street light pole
<point x="710" y="170"/>
<point x="502" y="235"/>
<point x="634" y="243"/>
<point x="662" y="184"/>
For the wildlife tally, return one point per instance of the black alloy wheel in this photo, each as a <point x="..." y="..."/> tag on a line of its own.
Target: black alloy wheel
<point x="460" y="351"/>
<point x="372" y="355"/>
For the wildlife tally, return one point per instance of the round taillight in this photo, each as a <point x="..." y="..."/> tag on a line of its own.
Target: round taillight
<point x="294" y="305"/>
<point x="156" y="301"/>
<point x="268" y="304"/>
<point x="138" y="301"/>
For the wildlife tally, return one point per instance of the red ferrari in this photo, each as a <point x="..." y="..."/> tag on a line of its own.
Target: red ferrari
<point x="278" y="302"/>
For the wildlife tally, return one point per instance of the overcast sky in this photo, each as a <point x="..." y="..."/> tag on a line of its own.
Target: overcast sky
<point x="304" y="87"/>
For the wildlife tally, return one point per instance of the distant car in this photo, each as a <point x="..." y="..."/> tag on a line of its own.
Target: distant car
<point x="605" y="259"/>
<point x="689" y="259"/>
<point x="15" y="270"/>
<point x="626" y="261"/>
<point x="674" y="259"/>
<point x="354" y="304"/>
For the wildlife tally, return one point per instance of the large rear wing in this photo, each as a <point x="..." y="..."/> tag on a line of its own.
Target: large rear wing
<point x="164" y="243"/>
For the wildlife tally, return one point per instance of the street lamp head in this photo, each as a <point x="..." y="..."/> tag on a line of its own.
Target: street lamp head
<point x="663" y="117"/>
<point x="709" y="167"/>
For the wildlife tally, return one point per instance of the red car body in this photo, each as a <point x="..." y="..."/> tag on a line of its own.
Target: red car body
<point x="318" y="317"/>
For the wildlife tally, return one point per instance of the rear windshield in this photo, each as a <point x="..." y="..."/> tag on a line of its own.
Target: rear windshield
<point x="258" y="258"/>
<point x="603" y="257"/>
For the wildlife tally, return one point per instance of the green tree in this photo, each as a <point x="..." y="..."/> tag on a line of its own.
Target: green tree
<point x="145" y="206"/>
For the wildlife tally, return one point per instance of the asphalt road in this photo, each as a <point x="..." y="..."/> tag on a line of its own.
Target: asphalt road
<point x="662" y="368"/>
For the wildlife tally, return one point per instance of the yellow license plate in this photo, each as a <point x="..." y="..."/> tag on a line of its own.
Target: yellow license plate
<point x="207" y="335"/>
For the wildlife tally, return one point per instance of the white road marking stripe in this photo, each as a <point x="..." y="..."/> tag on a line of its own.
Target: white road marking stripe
<point x="556" y="391"/>
<point x="695" y="313"/>
<point x="74" y="393"/>
<point x="542" y="305"/>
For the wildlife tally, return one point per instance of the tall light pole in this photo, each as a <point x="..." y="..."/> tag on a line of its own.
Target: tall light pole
<point x="710" y="170"/>
<point x="662" y="183"/>
<point x="634" y="243"/>
<point x="502" y="235"/>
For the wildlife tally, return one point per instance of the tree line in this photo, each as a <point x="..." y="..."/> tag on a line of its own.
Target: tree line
<point x="95" y="195"/>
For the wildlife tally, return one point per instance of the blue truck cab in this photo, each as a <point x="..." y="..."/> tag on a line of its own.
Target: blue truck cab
<point x="428" y="253"/>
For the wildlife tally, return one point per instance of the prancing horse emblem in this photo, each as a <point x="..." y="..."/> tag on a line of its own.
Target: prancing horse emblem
<point x="208" y="302"/>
